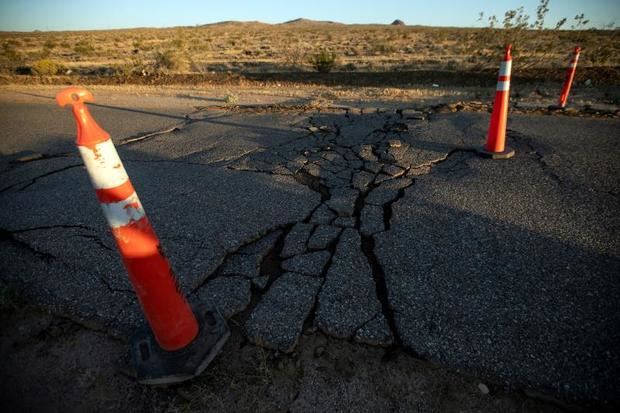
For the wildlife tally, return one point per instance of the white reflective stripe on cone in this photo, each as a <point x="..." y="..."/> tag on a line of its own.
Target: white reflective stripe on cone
<point x="503" y="86"/>
<point x="122" y="213"/>
<point x="505" y="68"/>
<point x="104" y="166"/>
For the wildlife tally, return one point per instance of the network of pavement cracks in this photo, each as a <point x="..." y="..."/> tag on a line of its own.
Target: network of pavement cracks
<point x="382" y="227"/>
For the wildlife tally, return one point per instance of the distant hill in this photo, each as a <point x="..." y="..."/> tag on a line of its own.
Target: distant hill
<point x="234" y="23"/>
<point x="309" y="22"/>
<point x="300" y="22"/>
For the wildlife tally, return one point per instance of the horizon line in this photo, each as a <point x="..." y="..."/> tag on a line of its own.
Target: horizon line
<point x="299" y="20"/>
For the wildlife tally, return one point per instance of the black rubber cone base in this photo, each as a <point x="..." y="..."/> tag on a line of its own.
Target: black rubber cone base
<point x="154" y="365"/>
<point x="505" y="154"/>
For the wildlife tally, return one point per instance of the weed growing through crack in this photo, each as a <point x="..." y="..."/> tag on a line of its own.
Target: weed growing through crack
<point x="263" y="366"/>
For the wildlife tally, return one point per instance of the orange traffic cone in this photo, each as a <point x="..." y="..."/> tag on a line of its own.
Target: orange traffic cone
<point x="179" y="343"/>
<point x="570" y="76"/>
<point x="496" y="139"/>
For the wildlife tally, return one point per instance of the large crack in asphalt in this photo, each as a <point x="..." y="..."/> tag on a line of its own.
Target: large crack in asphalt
<point x="47" y="257"/>
<point x="334" y="164"/>
<point x="270" y="269"/>
<point x="144" y="136"/>
<point x="22" y="185"/>
<point x="368" y="248"/>
<point x="538" y="156"/>
<point x="346" y="168"/>
<point x="330" y="162"/>
<point x="9" y="236"/>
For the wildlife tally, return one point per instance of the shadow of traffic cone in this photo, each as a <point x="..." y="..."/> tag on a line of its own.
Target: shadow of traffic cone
<point x="570" y="76"/>
<point x="496" y="138"/>
<point x="180" y="342"/>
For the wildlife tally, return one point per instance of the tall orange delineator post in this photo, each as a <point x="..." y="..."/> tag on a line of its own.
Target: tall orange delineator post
<point x="179" y="340"/>
<point x="570" y="76"/>
<point x="496" y="138"/>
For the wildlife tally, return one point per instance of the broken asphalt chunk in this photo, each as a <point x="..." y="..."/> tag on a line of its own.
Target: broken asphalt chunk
<point x="323" y="236"/>
<point x="230" y="295"/>
<point x="311" y="263"/>
<point x="361" y="180"/>
<point x="263" y="245"/>
<point x="348" y="298"/>
<point x="322" y="215"/>
<point x="387" y="191"/>
<point x="371" y="220"/>
<point x="375" y="333"/>
<point x="295" y="241"/>
<point x="278" y="319"/>
<point x="242" y="264"/>
<point x="343" y="201"/>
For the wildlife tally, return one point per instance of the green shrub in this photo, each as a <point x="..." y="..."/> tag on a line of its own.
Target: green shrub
<point x="9" y="51"/>
<point x="83" y="47"/>
<point x="170" y="60"/>
<point x="323" y="61"/>
<point x="45" y="67"/>
<point x="383" y="47"/>
<point x="231" y="99"/>
<point x="49" y="44"/>
<point x="128" y="69"/>
<point x="10" y="59"/>
<point x="42" y="54"/>
<point x="12" y="43"/>
<point x="177" y="43"/>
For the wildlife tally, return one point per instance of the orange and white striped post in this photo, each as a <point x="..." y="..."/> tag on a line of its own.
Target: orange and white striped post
<point x="570" y="76"/>
<point x="496" y="138"/>
<point x="171" y="319"/>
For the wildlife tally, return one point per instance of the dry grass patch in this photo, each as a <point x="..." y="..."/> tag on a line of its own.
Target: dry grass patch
<point x="302" y="46"/>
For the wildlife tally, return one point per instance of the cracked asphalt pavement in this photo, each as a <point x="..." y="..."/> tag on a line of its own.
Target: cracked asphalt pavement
<point x="382" y="227"/>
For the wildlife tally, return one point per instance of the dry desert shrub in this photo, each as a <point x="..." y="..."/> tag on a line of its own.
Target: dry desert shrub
<point x="46" y="67"/>
<point x="231" y="99"/>
<point x="323" y="61"/>
<point x="84" y="47"/>
<point x="49" y="44"/>
<point x="10" y="57"/>
<point x="295" y="56"/>
<point x="259" y="48"/>
<point x="170" y="61"/>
